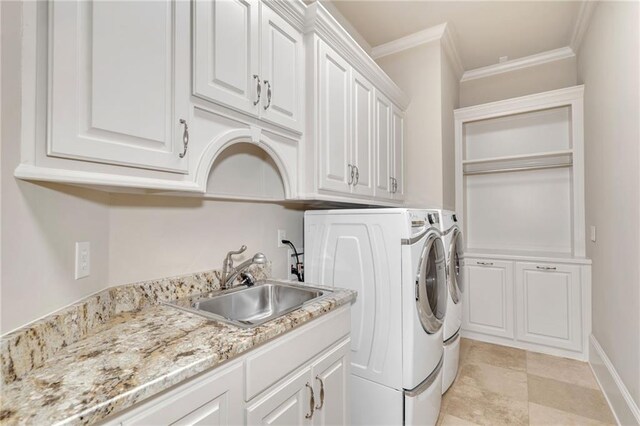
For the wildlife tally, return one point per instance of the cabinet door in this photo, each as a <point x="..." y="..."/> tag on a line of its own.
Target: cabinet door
<point x="117" y="74"/>
<point x="281" y="71"/>
<point x="334" y="138"/>
<point x="548" y="298"/>
<point x="331" y="377"/>
<point x="383" y="147"/>
<point x="362" y="133"/>
<point x="488" y="301"/>
<point x="397" y="142"/>
<point x="215" y="399"/>
<point x="225" y="53"/>
<point x="286" y="404"/>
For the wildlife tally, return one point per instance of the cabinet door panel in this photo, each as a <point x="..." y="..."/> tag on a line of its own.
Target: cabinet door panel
<point x="286" y="404"/>
<point x="362" y="134"/>
<point x="115" y="82"/>
<point x="548" y="304"/>
<point x="398" y="153"/>
<point x="281" y="66"/>
<point x="226" y="52"/>
<point x="331" y="373"/>
<point x="488" y="304"/>
<point x="383" y="147"/>
<point x="214" y="400"/>
<point x="334" y="121"/>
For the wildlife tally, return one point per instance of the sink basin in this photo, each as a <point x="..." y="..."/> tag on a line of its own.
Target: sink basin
<point x="252" y="306"/>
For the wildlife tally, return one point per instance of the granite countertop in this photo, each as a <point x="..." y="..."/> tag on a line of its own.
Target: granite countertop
<point x="132" y="356"/>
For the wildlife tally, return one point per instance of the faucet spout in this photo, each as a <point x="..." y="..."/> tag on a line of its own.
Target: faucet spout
<point x="229" y="275"/>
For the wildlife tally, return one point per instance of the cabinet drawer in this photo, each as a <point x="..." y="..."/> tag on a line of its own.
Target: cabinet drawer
<point x="212" y="399"/>
<point x="548" y="304"/>
<point x="266" y="366"/>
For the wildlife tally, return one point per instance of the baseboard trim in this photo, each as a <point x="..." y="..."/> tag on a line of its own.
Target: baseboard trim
<point x="620" y="400"/>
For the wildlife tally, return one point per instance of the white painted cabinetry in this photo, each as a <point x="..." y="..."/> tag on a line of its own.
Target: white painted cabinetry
<point x="384" y="148"/>
<point x="537" y="304"/>
<point x="117" y="74"/>
<point x="362" y="120"/>
<point x="300" y="378"/>
<point x="247" y="57"/>
<point x="549" y="303"/>
<point x="488" y="299"/>
<point x="397" y="144"/>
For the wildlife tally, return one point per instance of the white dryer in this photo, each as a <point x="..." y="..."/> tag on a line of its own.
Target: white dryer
<point x="454" y="245"/>
<point x="395" y="261"/>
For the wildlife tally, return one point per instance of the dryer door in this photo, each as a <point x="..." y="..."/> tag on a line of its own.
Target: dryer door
<point x="431" y="290"/>
<point x="455" y="278"/>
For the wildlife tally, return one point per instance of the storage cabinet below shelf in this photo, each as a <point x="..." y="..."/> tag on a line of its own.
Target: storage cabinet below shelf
<point x="537" y="304"/>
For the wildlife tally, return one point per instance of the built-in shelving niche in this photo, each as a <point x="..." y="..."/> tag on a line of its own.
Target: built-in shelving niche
<point x="245" y="171"/>
<point x="517" y="174"/>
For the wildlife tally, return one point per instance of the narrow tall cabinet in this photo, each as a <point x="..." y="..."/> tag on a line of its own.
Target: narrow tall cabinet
<point x="520" y="198"/>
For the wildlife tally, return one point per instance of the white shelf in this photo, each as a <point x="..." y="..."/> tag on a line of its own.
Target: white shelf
<point x="520" y="157"/>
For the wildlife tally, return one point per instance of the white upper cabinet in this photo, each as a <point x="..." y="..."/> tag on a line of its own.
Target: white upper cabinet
<point x="397" y="145"/>
<point x="226" y="56"/>
<point x="362" y="134"/>
<point x="384" y="148"/>
<point x="334" y="120"/>
<point x="247" y="57"/>
<point x="116" y="75"/>
<point x="281" y="71"/>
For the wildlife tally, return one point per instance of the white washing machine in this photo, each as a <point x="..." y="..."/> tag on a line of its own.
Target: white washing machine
<point x="395" y="260"/>
<point x="453" y="243"/>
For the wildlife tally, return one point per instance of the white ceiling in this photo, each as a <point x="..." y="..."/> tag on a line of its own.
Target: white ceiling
<point x="483" y="30"/>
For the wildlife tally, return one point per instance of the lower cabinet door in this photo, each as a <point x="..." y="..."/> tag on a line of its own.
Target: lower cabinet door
<point x="548" y="298"/>
<point x="331" y="375"/>
<point x="215" y="399"/>
<point x="488" y="301"/>
<point x="290" y="403"/>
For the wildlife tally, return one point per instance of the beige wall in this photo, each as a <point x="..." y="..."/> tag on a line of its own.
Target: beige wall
<point x="526" y="81"/>
<point x="133" y="237"/>
<point x="154" y="237"/>
<point x="417" y="72"/>
<point x="608" y="66"/>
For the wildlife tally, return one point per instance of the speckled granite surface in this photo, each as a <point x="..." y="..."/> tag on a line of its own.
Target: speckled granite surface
<point x="130" y="351"/>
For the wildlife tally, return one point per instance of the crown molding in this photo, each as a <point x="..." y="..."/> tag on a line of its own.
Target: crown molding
<point x="412" y="40"/>
<point x="516" y="64"/>
<point x="338" y="16"/>
<point x="582" y="23"/>
<point x="450" y="49"/>
<point x="319" y="21"/>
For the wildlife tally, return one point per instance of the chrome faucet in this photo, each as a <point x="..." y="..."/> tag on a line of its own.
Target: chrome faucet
<point x="229" y="273"/>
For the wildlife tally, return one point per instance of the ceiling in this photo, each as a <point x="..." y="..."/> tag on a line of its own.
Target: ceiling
<point x="483" y="31"/>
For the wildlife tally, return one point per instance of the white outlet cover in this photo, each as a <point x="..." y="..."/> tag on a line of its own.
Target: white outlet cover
<point x="282" y="235"/>
<point x="593" y="233"/>
<point x="83" y="259"/>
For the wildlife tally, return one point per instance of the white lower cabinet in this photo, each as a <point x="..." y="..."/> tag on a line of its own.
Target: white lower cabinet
<point x="536" y="305"/>
<point x="548" y="303"/>
<point x="488" y="300"/>
<point x="300" y="378"/>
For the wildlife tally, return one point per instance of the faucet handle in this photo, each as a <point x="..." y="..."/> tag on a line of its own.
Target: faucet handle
<point x="228" y="261"/>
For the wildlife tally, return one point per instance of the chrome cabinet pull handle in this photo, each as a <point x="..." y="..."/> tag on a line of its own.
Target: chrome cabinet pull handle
<point x="546" y="268"/>
<point x="312" y="403"/>
<point x="357" y="175"/>
<point x="319" y="407"/>
<point x="485" y="263"/>
<point x="268" y="94"/>
<point x="258" y="89"/>
<point x="391" y="185"/>
<point x="185" y="138"/>
<point x="350" y="182"/>
<point x="395" y="185"/>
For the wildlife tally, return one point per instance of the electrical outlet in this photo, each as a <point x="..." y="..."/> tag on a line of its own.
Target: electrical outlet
<point x="593" y="233"/>
<point x="291" y="263"/>
<point x="83" y="259"/>
<point x="282" y="235"/>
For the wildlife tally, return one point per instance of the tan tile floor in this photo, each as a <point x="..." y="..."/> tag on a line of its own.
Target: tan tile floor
<point x="500" y="385"/>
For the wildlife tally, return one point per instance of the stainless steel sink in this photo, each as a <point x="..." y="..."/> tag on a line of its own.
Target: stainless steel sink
<point x="252" y="306"/>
